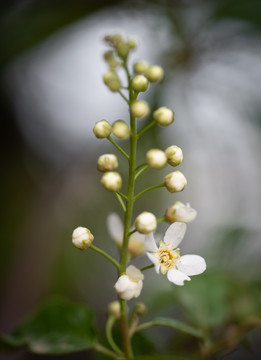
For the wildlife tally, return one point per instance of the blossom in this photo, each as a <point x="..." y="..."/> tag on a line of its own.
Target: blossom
<point x="166" y="258"/>
<point x="180" y="212"/>
<point x="115" y="228"/>
<point x="129" y="285"/>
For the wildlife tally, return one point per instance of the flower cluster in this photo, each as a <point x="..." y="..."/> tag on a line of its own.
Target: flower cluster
<point x="134" y="237"/>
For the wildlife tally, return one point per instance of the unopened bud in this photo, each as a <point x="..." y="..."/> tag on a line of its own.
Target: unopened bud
<point x="154" y="73"/>
<point x="175" y="181"/>
<point x="174" y="155"/>
<point x="112" y="81"/>
<point x="120" y="129"/>
<point x="82" y="238"/>
<point x="146" y="222"/>
<point x="140" y="83"/>
<point x="140" y="67"/>
<point x="102" y="129"/>
<point x="156" y="159"/>
<point x="140" y="308"/>
<point x="181" y="213"/>
<point x="123" y="49"/>
<point x="107" y="162"/>
<point x="112" y="181"/>
<point x="164" y="116"/>
<point x="110" y="59"/>
<point x="129" y="286"/>
<point x="131" y="43"/>
<point x="114" y="309"/>
<point x="139" y="108"/>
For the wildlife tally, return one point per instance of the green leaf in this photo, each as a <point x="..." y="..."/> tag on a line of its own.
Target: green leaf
<point x="58" y="327"/>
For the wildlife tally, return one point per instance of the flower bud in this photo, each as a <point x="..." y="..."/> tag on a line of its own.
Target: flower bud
<point x="114" y="309"/>
<point x="154" y="73"/>
<point x="102" y="129"/>
<point x="156" y="159"/>
<point x="139" y="108"/>
<point x="112" y="81"/>
<point x="174" y="155"/>
<point x="120" y="129"/>
<point x="107" y="162"/>
<point x="131" y="43"/>
<point x="175" y="181"/>
<point x="140" y="83"/>
<point x="123" y="49"/>
<point x="129" y="286"/>
<point x="110" y="59"/>
<point x="82" y="238"/>
<point x="140" y="67"/>
<point x="181" y="213"/>
<point x="146" y="222"/>
<point x="112" y="181"/>
<point x="140" y="308"/>
<point x="164" y="116"/>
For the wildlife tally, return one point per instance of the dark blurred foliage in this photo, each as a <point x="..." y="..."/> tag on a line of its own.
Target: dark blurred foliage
<point x="220" y="302"/>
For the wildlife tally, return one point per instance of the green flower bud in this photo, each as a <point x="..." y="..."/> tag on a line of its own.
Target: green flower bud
<point x="174" y="155"/>
<point x="140" y="67"/>
<point x="102" y="129"/>
<point x="120" y="129"/>
<point x="131" y="43"/>
<point x="107" y="162"/>
<point x="146" y="222"/>
<point x="164" y="116"/>
<point x="175" y="181"/>
<point x="123" y="50"/>
<point x="139" y="108"/>
<point x="140" y="83"/>
<point x="114" y="309"/>
<point x="112" y="81"/>
<point x="82" y="238"/>
<point x="140" y="308"/>
<point x="112" y="181"/>
<point x="110" y="59"/>
<point x="154" y="73"/>
<point x="156" y="159"/>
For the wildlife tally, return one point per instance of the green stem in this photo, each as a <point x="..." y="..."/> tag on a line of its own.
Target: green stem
<point x="121" y="201"/>
<point x="139" y="166"/>
<point x="122" y="195"/>
<point x="107" y="256"/>
<point x="148" y="189"/>
<point x="118" y="147"/>
<point x="102" y="349"/>
<point x="131" y="232"/>
<point x="152" y="123"/>
<point x="141" y="171"/>
<point x="147" y="267"/>
<point x="163" y="218"/>
<point x="108" y="330"/>
<point x="123" y="96"/>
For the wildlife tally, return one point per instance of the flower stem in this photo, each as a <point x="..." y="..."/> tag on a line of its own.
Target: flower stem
<point x="147" y="267"/>
<point x="121" y="201"/>
<point x="123" y="96"/>
<point x="107" y="256"/>
<point x="109" y="326"/>
<point x="118" y="147"/>
<point x="102" y="349"/>
<point x="152" y="123"/>
<point x="148" y="189"/>
<point x="141" y="171"/>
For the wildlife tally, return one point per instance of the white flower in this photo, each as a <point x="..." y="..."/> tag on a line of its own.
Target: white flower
<point x="136" y="240"/>
<point x="180" y="212"/>
<point x="129" y="286"/>
<point x="82" y="238"/>
<point x="166" y="258"/>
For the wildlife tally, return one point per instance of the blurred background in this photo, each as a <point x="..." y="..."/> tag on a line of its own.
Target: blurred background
<point x="52" y="94"/>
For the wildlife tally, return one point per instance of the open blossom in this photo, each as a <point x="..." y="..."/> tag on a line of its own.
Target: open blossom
<point x="166" y="258"/>
<point x="129" y="286"/>
<point x="136" y="240"/>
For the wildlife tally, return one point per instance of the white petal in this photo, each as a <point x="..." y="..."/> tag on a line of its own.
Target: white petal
<point x="175" y="234"/>
<point x="154" y="259"/>
<point x="177" y="277"/>
<point x="192" y="264"/>
<point x="115" y="227"/>
<point x="149" y="243"/>
<point x="134" y="274"/>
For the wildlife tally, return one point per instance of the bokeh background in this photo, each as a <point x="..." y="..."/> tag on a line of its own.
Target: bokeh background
<point x="52" y="94"/>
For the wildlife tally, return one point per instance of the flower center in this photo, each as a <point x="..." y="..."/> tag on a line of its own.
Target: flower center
<point x="167" y="257"/>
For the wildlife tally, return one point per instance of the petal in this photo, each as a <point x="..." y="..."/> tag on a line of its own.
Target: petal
<point x="154" y="259"/>
<point x="134" y="274"/>
<point x="115" y="227"/>
<point x="149" y="243"/>
<point x="192" y="264"/>
<point x="177" y="277"/>
<point x="175" y="234"/>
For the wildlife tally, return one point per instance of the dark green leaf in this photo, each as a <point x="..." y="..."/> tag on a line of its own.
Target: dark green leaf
<point x="58" y="327"/>
<point x="178" y="325"/>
